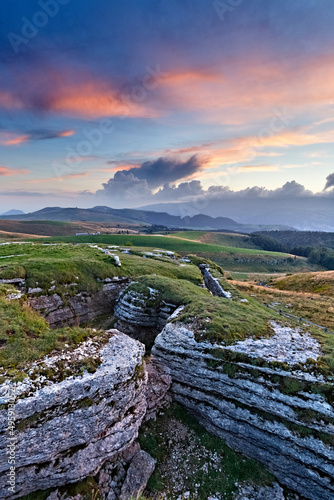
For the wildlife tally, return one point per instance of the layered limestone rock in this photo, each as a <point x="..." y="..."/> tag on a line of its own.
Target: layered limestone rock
<point x="158" y="394"/>
<point x="80" y="308"/>
<point x="65" y="431"/>
<point x="274" y="413"/>
<point x="212" y="283"/>
<point x="141" y="314"/>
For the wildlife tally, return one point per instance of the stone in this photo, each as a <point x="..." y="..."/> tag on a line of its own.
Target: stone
<point x="81" y="308"/>
<point x="253" y="492"/>
<point x="128" y="454"/>
<point x="139" y="472"/>
<point x="141" y="315"/>
<point x="157" y="389"/>
<point x="67" y="430"/>
<point x="212" y="283"/>
<point x="244" y="405"/>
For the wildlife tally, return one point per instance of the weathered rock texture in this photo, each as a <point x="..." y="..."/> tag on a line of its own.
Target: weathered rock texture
<point x="80" y="308"/>
<point x="212" y="283"/>
<point x="258" y="410"/>
<point x="252" y="492"/>
<point x="158" y="389"/>
<point x="141" y="315"/>
<point x="139" y="472"/>
<point x="66" y="431"/>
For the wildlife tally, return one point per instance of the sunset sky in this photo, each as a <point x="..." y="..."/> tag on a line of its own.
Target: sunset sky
<point x="134" y="102"/>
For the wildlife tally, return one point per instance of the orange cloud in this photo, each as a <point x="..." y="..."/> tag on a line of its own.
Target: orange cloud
<point x="96" y="99"/>
<point x="9" y="101"/>
<point x="11" y="139"/>
<point x="121" y="166"/>
<point x="66" y="133"/>
<point x="249" y="89"/>
<point x="5" y="171"/>
<point x="256" y="168"/>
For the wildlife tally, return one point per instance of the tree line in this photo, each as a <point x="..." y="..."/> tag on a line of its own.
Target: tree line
<point x="317" y="247"/>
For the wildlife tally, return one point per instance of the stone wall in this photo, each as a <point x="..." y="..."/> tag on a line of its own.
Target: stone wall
<point x="276" y="416"/>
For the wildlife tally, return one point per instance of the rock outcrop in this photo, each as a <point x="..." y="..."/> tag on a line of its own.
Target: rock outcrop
<point x="212" y="283"/>
<point x="265" y="410"/>
<point x="158" y="394"/>
<point x="139" y="472"/>
<point x="65" y="431"/>
<point x="80" y="308"/>
<point x="141" y="314"/>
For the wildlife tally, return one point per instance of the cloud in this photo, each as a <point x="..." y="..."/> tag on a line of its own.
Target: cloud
<point x="248" y="87"/>
<point x="139" y="182"/>
<point x="183" y="190"/>
<point x="42" y="135"/>
<point x="12" y="139"/>
<point x="93" y="99"/>
<point x="80" y="94"/>
<point x="256" y="168"/>
<point x="166" y="170"/>
<point x="329" y="181"/>
<point x="5" y="171"/>
<point x="8" y="138"/>
<point x="124" y="186"/>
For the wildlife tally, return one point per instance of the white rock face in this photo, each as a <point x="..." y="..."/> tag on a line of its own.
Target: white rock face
<point x="66" y="431"/>
<point x="257" y="410"/>
<point x="288" y="345"/>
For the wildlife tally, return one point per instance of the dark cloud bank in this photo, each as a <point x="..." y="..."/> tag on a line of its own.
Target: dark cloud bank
<point x="291" y="205"/>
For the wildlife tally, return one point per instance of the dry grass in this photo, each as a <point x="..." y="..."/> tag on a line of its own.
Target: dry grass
<point x="314" y="307"/>
<point x="321" y="283"/>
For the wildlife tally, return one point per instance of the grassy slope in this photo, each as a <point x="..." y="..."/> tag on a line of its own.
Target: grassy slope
<point x="65" y="263"/>
<point x="213" y="317"/>
<point x="215" y="238"/>
<point x="320" y="283"/>
<point x="56" y="228"/>
<point x="229" y="257"/>
<point x="312" y="307"/>
<point x="174" y="244"/>
<point x="26" y="336"/>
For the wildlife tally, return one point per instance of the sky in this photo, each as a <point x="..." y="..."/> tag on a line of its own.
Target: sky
<point x="135" y="102"/>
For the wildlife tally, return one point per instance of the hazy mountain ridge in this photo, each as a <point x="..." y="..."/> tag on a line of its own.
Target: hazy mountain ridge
<point x="303" y="213"/>
<point x="14" y="212"/>
<point x="140" y="217"/>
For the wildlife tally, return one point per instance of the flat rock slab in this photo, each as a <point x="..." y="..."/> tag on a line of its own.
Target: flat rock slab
<point x="288" y="345"/>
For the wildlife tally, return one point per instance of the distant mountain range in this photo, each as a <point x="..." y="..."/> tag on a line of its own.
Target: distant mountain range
<point x="14" y="212"/>
<point x="305" y="213"/>
<point x="140" y="217"/>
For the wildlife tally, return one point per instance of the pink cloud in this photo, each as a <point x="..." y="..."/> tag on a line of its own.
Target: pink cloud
<point x="7" y="172"/>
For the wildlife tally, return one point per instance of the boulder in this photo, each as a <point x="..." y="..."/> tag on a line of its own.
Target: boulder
<point x="139" y="472"/>
<point x="66" y="430"/>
